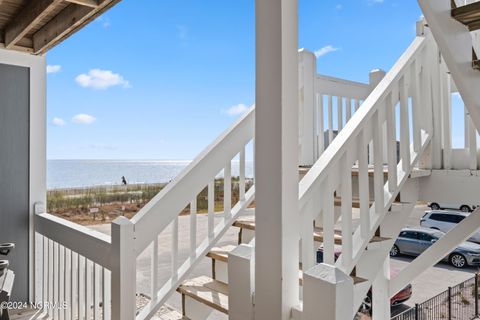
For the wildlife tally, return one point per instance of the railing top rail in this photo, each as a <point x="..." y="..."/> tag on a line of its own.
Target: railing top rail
<point x="341" y="87"/>
<point x="336" y="149"/>
<point x="179" y="192"/>
<point x="93" y="245"/>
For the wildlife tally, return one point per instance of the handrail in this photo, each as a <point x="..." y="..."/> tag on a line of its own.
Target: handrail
<point x="351" y="130"/>
<point x="178" y="193"/>
<point x="93" y="245"/>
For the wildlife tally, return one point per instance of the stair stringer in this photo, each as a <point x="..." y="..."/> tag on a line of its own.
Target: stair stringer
<point x="455" y="43"/>
<point x="371" y="261"/>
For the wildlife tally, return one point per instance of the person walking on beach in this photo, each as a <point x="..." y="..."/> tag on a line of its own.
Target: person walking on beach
<point x="124" y="181"/>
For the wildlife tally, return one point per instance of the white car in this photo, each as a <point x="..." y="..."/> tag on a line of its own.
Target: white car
<point x="446" y="220"/>
<point x="454" y="206"/>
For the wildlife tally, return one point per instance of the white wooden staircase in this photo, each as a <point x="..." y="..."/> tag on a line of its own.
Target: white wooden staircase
<point x="355" y="194"/>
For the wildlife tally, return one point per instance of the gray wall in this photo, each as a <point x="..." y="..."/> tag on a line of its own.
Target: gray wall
<point x="14" y="171"/>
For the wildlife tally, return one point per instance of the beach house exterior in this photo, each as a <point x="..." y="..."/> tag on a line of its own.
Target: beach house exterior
<point x="390" y="147"/>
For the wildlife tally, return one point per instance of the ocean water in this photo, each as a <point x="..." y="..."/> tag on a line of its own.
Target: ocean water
<point x="85" y="173"/>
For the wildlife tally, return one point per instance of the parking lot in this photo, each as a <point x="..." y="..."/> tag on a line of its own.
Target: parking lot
<point x="434" y="280"/>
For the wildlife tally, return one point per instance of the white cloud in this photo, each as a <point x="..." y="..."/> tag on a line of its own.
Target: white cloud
<point x="83" y="118"/>
<point x="236" y="110"/>
<point x="325" y="50"/>
<point x="54" y="68"/>
<point x="101" y="79"/>
<point x="375" y="1"/>
<point x="59" y="122"/>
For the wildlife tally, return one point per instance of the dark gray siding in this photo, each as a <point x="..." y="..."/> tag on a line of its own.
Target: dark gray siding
<point x="14" y="171"/>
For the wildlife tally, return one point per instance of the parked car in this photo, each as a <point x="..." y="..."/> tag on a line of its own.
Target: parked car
<point x="443" y="205"/>
<point x="446" y="220"/>
<point x="402" y="296"/>
<point x="413" y="241"/>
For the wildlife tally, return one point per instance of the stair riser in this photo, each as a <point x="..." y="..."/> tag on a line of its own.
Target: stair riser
<point x="195" y="310"/>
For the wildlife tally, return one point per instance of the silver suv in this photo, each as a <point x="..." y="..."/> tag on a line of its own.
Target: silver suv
<point x="446" y="220"/>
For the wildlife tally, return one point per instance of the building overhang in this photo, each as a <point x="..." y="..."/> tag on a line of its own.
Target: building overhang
<point x="36" y="26"/>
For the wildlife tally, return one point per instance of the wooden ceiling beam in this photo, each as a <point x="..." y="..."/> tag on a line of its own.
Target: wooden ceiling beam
<point x="26" y="19"/>
<point x="86" y="3"/>
<point x="67" y="22"/>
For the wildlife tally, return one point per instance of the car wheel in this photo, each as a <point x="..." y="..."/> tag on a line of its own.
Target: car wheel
<point x="434" y="206"/>
<point x="394" y="251"/>
<point x="457" y="260"/>
<point x="465" y="208"/>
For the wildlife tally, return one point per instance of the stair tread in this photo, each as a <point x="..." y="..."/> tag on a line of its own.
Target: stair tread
<point x="468" y="14"/>
<point x="220" y="253"/>
<point x="208" y="291"/>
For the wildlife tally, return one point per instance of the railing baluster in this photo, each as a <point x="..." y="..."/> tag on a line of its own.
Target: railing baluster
<point x="348" y="106"/>
<point x="320" y="136"/>
<point x="378" y="179"/>
<point x="50" y="275"/>
<point x="154" y="269"/>
<point x="61" y="298"/>
<point x="106" y="296"/>
<point x="391" y="143"/>
<point x="340" y="113"/>
<point x="328" y="222"/>
<point x="363" y="186"/>
<point x="96" y="292"/>
<point x="175" y="249"/>
<point x="68" y="283"/>
<point x="211" y="209"/>
<point x="88" y="288"/>
<point x="227" y="190"/>
<point x="241" y="180"/>
<point x="80" y="286"/>
<point x="347" y="251"/>
<point x="416" y="114"/>
<point x="404" y="126"/>
<point x="330" y="119"/>
<point x="447" y="122"/>
<point x="472" y="141"/>
<point x="193" y="228"/>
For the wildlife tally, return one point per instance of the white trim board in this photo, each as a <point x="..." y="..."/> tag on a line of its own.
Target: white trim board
<point x="37" y="148"/>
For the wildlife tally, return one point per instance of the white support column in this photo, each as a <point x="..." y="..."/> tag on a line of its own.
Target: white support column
<point x="241" y="277"/>
<point x="381" y="294"/>
<point x="327" y="294"/>
<point x="124" y="262"/>
<point x="307" y="104"/>
<point x="276" y="159"/>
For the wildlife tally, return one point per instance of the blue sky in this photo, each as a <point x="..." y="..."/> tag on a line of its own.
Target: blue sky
<point x="161" y="79"/>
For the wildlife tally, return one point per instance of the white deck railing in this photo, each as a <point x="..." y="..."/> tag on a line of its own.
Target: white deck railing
<point x="72" y="273"/>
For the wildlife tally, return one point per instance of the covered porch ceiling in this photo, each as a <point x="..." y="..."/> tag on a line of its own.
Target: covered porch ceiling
<point x="37" y="25"/>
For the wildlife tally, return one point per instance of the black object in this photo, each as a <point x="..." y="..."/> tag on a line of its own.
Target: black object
<point x="3" y="266"/>
<point x="5" y="248"/>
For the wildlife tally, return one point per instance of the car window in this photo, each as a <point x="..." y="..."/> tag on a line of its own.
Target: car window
<point x="425" y="237"/>
<point x="408" y="234"/>
<point x="454" y="218"/>
<point x="439" y="217"/>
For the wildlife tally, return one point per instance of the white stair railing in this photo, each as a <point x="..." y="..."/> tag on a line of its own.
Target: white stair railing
<point x="405" y="89"/>
<point x="163" y="210"/>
